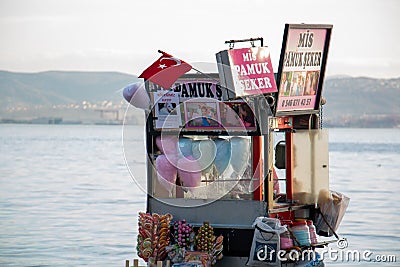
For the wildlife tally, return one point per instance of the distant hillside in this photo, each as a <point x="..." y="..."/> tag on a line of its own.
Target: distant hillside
<point x="365" y="100"/>
<point x="360" y="96"/>
<point x="349" y="99"/>
<point x="60" y="87"/>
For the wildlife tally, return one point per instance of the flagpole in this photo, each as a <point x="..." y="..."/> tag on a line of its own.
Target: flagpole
<point x="209" y="76"/>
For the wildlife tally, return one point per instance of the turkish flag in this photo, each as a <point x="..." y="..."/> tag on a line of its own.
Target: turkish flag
<point x="165" y="70"/>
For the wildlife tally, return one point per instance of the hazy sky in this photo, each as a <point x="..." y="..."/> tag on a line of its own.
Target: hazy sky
<point x="124" y="35"/>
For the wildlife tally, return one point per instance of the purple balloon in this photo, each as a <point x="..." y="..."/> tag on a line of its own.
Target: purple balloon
<point x="136" y="95"/>
<point x="130" y="90"/>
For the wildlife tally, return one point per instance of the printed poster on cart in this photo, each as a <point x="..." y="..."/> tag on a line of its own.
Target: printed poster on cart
<point x="167" y="109"/>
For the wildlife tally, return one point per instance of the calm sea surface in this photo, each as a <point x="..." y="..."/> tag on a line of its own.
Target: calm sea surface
<point x="67" y="197"/>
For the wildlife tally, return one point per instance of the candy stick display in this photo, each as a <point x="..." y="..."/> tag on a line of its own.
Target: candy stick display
<point x="154" y="236"/>
<point x="205" y="238"/>
<point x="183" y="234"/>
<point x="217" y="249"/>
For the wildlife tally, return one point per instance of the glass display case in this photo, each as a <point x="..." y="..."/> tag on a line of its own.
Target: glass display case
<point x="204" y="151"/>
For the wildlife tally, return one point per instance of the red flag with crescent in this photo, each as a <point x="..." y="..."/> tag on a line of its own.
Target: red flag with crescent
<point x="165" y="70"/>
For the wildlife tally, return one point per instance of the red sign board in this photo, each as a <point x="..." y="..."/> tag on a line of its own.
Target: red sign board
<point x="247" y="71"/>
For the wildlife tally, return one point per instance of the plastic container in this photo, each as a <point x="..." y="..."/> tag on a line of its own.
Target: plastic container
<point x="286" y="240"/>
<point x="301" y="231"/>
<point x="313" y="232"/>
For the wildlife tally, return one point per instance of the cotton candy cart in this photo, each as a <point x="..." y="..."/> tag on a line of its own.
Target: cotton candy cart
<point x="226" y="148"/>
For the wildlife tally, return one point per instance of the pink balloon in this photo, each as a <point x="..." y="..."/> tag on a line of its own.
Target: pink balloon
<point x="166" y="173"/>
<point x="189" y="172"/>
<point x="168" y="145"/>
<point x="136" y="95"/>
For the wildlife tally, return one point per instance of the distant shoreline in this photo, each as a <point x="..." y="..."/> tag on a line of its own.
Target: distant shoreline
<point x="61" y="97"/>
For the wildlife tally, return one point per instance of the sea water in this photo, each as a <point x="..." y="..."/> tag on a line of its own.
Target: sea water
<point x="67" y="197"/>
